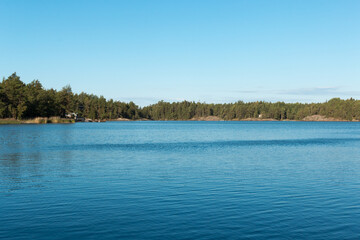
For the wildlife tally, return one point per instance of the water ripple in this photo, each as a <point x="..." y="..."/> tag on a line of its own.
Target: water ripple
<point x="202" y="145"/>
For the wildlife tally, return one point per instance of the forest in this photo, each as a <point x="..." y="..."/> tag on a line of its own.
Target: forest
<point x="25" y="101"/>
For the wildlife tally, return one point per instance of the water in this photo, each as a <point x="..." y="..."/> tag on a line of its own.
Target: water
<point x="180" y="180"/>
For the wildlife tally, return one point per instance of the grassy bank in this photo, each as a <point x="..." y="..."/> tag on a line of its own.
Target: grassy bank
<point x="10" y="121"/>
<point x="39" y="120"/>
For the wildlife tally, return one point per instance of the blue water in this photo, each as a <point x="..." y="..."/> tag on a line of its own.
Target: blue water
<point x="180" y="180"/>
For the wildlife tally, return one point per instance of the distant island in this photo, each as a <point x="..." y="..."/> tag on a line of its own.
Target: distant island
<point x="31" y="103"/>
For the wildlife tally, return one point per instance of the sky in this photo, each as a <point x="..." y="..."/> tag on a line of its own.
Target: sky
<point x="198" y="50"/>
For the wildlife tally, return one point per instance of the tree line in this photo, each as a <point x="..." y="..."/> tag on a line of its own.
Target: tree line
<point x="23" y="101"/>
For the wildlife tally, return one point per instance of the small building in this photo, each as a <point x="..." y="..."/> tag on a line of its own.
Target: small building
<point x="71" y="115"/>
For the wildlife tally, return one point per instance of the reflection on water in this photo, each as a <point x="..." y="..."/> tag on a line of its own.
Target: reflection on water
<point x="21" y="156"/>
<point x="180" y="180"/>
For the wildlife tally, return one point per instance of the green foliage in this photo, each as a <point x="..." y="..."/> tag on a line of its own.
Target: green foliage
<point x="14" y="93"/>
<point x="335" y="108"/>
<point x="19" y="100"/>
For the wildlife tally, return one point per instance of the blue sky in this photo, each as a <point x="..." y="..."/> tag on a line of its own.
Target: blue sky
<point x="208" y="51"/>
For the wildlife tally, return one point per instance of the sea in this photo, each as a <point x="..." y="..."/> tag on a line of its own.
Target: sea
<point x="180" y="180"/>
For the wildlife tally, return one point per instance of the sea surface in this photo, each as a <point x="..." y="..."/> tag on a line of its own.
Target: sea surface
<point x="180" y="180"/>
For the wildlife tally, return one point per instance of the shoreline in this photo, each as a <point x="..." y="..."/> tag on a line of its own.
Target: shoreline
<point x="313" y="118"/>
<point x="57" y="120"/>
<point x="33" y="123"/>
<point x="38" y="120"/>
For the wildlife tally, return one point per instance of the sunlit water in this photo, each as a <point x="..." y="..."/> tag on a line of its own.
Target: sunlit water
<point x="180" y="180"/>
